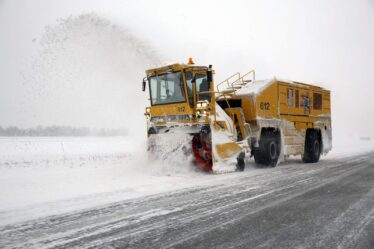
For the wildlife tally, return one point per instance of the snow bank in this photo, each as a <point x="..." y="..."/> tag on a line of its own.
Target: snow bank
<point x="50" y="171"/>
<point x="25" y="151"/>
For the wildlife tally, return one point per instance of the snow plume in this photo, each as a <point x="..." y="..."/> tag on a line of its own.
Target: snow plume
<point x="171" y="154"/>
<point x="88" y="72"/>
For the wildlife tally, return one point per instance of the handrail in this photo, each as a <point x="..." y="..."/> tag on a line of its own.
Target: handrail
<point x="227" y="80"/>
<point x="250" y="72"/>
<point x="239" y="79"/>
<point x="229" y="84"/>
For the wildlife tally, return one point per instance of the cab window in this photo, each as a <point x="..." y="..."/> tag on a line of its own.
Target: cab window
<point x="317" y="101"/>
<point x="202" y="85"/>
<point x="167" y="88"/>
<point x="290" y="97"/>
<point x="189" y="88"/>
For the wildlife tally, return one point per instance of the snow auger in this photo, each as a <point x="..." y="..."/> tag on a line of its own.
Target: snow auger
<point x="240" y="117"/>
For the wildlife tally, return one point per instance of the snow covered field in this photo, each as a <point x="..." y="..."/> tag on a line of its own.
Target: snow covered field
<point x="59" y="172"/>
<point x="48" y="176"/>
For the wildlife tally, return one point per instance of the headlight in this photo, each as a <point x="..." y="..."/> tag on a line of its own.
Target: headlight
<point x="201" y="113"/>
<point x="202" y="108"/>
<point x="147" y="113"/>
<point x="202" y="105"/>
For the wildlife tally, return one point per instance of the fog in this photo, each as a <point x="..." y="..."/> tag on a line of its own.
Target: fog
<point x="81" y="63"/>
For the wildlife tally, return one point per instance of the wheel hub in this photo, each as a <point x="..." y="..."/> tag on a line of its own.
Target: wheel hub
<point x="273" y="150"/>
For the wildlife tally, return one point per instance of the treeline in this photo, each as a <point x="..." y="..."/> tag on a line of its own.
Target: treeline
<point x="59" y="131"/>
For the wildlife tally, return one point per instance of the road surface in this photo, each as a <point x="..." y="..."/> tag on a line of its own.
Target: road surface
<point x="325" y="205"/>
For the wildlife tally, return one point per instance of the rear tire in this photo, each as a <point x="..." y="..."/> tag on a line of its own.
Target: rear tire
<point x="268" y="152"/>
<point x="312" y="150"/>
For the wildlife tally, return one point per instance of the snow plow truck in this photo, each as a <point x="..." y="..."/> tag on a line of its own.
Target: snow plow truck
<point x="238" y="118"/>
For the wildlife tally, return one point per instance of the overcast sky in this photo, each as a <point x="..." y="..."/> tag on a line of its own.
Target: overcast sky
<point x="329" y="43"/>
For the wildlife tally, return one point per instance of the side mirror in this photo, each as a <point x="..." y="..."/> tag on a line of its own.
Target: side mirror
<point x="209" y="74"/>
<point x="144" y="83"/>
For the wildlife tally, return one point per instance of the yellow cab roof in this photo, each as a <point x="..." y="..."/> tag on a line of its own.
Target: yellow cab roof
<point x="173" y="68"/>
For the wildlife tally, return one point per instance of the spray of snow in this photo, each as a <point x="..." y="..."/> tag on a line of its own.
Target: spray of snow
<point x="88" y="72"/>
<point x="171" y="154"/>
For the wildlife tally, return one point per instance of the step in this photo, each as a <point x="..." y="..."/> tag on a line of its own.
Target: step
<point x="240" y="84"/>
<point x="228" y="91"/>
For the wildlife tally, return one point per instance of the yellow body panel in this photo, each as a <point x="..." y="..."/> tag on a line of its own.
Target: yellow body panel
<point x="291" y="107"/>
<point x="175" y="109"/>
<point x="272" y="102"/>
<point x="227" y="150"/>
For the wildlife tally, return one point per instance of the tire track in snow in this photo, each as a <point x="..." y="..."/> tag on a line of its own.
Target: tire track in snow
<point x="165" y="220"/>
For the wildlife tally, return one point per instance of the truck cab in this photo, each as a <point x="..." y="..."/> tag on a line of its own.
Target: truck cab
<point x="176" y="93"/>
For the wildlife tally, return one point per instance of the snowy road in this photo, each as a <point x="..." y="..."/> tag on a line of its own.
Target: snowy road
<point x="295" y="205"/>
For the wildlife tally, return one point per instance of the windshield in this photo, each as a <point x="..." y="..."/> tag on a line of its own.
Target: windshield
<point x="167" y="88"/>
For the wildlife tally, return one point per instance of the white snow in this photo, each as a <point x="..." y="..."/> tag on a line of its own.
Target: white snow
<point x="47" y="176"/>
<point x="254" y="88"/>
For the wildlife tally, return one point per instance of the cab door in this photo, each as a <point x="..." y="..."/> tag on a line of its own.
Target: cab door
<point x="202" y="85"/>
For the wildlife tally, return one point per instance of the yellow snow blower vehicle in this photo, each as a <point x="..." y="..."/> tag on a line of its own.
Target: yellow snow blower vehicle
<point x="240" y="116"/>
